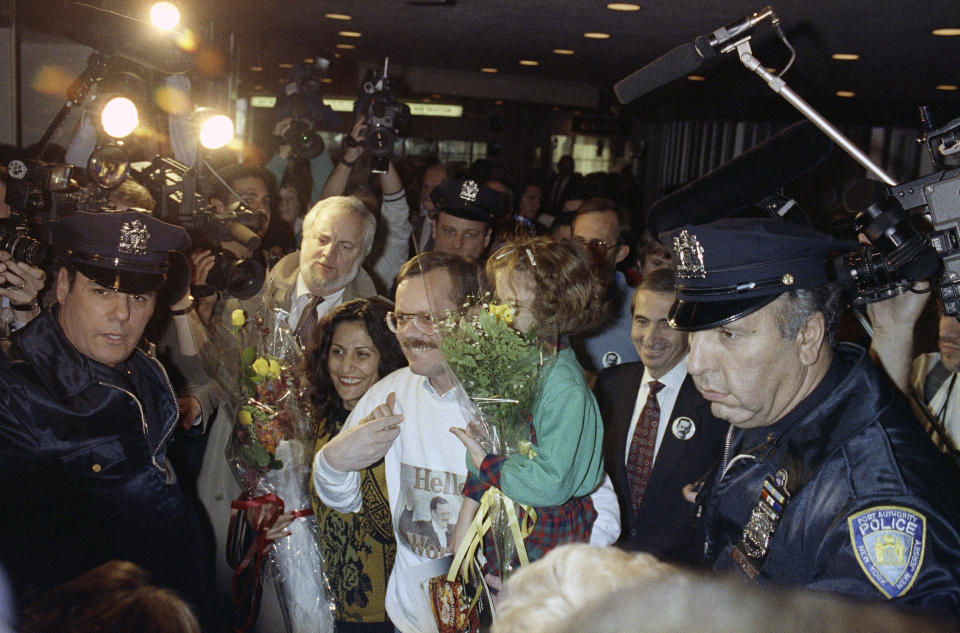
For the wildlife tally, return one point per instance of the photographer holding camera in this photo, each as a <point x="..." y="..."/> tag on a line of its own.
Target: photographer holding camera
<point x="20" y="283"/>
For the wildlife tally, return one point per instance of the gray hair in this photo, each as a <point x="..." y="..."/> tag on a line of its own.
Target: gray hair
<point x="796" y="306"/>
<point x="349" y="203"/>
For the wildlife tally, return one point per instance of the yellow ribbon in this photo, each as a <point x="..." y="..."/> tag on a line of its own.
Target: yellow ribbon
<point x="481" y="524"/>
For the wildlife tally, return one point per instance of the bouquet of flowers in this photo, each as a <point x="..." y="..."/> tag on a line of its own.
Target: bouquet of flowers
<point x="501" y="372"/>
<point x="271" y="453"/>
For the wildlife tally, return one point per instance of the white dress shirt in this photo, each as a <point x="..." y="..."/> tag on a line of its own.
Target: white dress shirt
<point x="666" y="398"/>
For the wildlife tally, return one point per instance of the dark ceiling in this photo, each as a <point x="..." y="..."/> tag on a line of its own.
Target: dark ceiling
<point x="436" y="45"/>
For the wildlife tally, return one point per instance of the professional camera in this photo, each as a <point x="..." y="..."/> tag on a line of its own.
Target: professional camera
<point x="175" y="188"/>
<point x="387" y="118"/>
<point x="900" y="255"/>
<point x="301" y="102"/>
<point x="17" y="238"/>
<point x="237" y="277"/>
<point x="44" y="189"/>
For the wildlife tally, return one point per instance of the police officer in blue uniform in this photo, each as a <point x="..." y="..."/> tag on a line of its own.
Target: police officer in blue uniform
<point x="828" y="481"/>
<point x="86" y="414"/>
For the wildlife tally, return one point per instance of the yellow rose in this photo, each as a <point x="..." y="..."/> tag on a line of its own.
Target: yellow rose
<point x="237" y="318"/>
<point x="502" y="311"/>
<point x="274" y="369"/>
<point x="261" y="366"/>
<point x="245" y="417"/>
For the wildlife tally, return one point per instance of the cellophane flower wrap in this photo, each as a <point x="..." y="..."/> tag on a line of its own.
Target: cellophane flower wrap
<point x="501" y="371"/>
<point x="271" y="454"/>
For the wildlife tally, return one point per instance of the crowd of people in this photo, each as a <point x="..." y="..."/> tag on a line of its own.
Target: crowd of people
<point x="700" y="420"/>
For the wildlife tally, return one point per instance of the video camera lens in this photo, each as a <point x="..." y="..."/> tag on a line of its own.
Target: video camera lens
<point x="240" y="278"/>
<point x="304" y="138"/>
<point x="15" y="239"/>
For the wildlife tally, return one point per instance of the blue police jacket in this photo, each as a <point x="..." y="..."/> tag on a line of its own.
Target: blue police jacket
<point x="83" y="478"/>
<point x="874" y="508"/>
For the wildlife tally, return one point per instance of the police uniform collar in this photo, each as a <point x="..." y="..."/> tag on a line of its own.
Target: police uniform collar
<point x="59" y="365"/>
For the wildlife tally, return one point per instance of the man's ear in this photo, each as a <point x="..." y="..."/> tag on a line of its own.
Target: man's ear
<point x="810" y="338"/>
<point x="622" y="251"/>
<point x="63" y="284"/>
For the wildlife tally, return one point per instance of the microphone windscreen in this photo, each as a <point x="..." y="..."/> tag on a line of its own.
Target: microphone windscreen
<point x="679" y="62"/>
<point x="743" y="181"/>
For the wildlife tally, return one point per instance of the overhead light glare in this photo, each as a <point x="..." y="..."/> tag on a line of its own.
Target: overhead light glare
<point x="347" y="46"/>
<point x="337" y="16"/>
<point x="845" y="57"/>
<point x="563" y="51"/>
<point x="285" y="65"/>
<point x="845" y="93"/>
<point x="696" y="78"/>
<point x="165" y="15"/>
<point x="529" y="62"/>
<point x="216" y="131"/>
<point x="488" y="70"/>
<point x="596" y="36"/>
<point x="946" y="32"/>
<point x="119" y="117"/>
<point x="946" y="87"/>
<point x="623" y="6"/>
<point x="349" y="34"/>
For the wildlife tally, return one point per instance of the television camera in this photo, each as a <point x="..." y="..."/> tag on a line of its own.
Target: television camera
<point x="386" y="118"/>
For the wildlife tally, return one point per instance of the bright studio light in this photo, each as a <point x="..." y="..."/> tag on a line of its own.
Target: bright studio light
<point x="119" y="117"/>
<point x="165" y="15"/>
<point x="216" y="131"/>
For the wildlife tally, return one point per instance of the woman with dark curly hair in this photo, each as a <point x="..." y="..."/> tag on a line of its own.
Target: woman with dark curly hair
<point x="352" y="349"/>
<point x="550" y="287"/>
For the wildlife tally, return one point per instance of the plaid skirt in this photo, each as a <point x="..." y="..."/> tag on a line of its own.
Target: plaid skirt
<point x="570" y="522"/>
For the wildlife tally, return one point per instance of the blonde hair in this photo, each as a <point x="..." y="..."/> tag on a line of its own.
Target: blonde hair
<point x="555" y="588"/>
<point x="569" y="294"/>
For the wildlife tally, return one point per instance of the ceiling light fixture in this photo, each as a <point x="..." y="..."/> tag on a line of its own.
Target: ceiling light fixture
<point x="597" y="36"/>
<point x="488" y="70"/>
<point x="845" y="93"/>
<point x="346" y="46"/>
<point x="285" y="65"/>
<point x="563" y="51"/>
<point x="946" y="87"/>
<point x="696" y="78"/>
<point x="529" y="62"/>
<point x="946" y="32"/>
<point x="623" y="6"/>
<point x="337" y="16"/>
<point x="845" y="57"/>
<point x="349" y="33"/>
<point x="165" y="15"/>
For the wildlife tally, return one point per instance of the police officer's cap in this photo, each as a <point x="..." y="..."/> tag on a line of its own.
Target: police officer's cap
<point x="728" y="269"/>
<point x="468" y="200"/>
<point x="129" y="252"/>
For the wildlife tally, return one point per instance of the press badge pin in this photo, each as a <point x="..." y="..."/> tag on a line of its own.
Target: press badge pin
<point x="683" y="428"/>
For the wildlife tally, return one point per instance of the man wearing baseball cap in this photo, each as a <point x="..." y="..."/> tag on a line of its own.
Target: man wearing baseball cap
<point x="86" y="414"/>
<point x="829" y="481"/>
<point x="466" y="213"/>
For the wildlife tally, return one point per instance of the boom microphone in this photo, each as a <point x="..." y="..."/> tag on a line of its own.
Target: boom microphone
<point x="744" y="181"/>
<point x="686" y="58"/>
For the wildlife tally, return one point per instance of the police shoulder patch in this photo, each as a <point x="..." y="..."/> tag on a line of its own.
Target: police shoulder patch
<point x="889" y="542"/>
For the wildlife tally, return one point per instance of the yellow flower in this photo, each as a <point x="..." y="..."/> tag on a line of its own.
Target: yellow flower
<point x="261" y="366"/>
<point x="502" y="311"/>
<point x="245" y="417"/>
<point x="237" y="318"/>
<point x="274" y="369"/>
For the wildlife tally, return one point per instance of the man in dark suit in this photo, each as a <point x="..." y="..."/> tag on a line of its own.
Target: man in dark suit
<point x="654" y="446"/>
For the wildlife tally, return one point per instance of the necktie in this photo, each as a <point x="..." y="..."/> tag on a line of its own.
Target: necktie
<point x="640" y="458"/>
<point x="307" y="322"/>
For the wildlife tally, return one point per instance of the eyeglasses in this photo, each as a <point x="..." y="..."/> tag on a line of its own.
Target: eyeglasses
<point x="424" y="322"/>
<point x="594" y="243"/>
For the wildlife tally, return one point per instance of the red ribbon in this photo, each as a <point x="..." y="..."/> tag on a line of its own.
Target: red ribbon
<point x="247" y="585"/>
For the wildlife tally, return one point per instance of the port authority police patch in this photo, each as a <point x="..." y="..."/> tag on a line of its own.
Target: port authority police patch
<point x="888" y="542"/>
